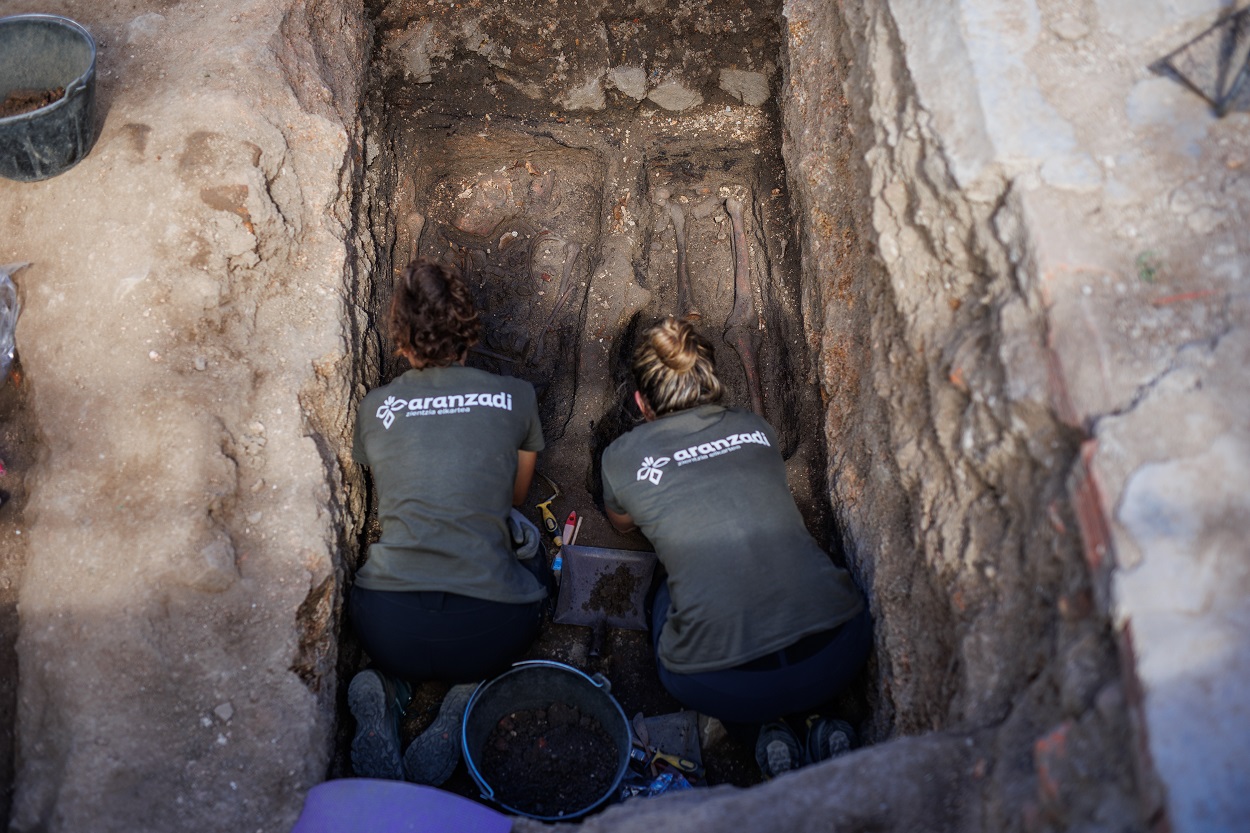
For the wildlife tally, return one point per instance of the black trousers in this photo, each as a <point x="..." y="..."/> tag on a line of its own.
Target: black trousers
<point x="424" y="635"/>
<point x="795" y="679"/>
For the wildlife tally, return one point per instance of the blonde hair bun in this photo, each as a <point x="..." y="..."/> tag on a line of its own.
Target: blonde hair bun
<point x="674" y="367"/>
<point x="675" y="345"/>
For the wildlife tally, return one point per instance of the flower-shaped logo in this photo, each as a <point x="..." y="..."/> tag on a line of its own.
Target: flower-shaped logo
<point x="651" y="469"/>
<point x="386" y="413"/>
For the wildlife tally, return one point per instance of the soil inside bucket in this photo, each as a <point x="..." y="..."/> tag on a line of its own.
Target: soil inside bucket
<point x="549" y="762"/>
<point x="27" y="101"/>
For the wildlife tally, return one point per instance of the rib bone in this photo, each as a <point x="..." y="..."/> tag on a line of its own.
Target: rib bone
<point x="567" y="284"/>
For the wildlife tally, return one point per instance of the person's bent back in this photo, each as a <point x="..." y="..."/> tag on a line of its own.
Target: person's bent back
<point x="754" y="621"/>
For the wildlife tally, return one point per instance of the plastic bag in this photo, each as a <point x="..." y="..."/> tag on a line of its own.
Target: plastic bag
<point x="10" y="307"/>
<point x="635" y="785"/>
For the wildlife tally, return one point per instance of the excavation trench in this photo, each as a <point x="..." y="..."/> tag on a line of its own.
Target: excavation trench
<point x="594" y="169"/>
<point x="584" y="163"/>
<point x="734" y="180"/>
<point x="574" y="231"/>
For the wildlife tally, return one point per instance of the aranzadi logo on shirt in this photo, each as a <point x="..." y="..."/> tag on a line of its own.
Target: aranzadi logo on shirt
<point x="650" y="469"/>
<point x="456" y="403"/>
<point x="651" y="466"/>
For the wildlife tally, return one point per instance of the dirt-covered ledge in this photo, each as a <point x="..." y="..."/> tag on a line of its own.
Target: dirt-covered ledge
<point x="186" y="350"/>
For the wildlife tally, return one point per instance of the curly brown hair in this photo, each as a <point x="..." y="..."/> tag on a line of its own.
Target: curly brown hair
<point x="675" y="367"/>
<point x="432" y="320"/>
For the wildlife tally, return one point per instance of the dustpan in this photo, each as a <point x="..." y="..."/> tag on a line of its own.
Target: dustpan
<point x="602" y="587"/>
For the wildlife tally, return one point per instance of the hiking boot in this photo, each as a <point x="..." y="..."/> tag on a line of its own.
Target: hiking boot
<point x="777" y="749"/>
<point x="377" y="703"/>
<point x="828" y="738"/>
<point x="433" y="755"/>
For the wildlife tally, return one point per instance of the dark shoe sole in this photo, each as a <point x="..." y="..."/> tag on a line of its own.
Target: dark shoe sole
<point x="789" y="749"/>
<point x="828" y="738"/>
<point x="432" y="757"/>
<point x="375" y="748"/>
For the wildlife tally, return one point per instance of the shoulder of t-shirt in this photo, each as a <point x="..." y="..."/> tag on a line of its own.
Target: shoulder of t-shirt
<point x="623" y="444"/>
<point x="377" y="393"/>
<point x="751" y="416"/>
<point x="485" y="377"/>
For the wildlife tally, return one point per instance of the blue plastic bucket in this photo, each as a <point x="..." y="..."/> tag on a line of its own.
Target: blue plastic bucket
<point x="44" y="52"/>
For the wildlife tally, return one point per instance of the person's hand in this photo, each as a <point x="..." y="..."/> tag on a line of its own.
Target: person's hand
<point x="524" y="536"/>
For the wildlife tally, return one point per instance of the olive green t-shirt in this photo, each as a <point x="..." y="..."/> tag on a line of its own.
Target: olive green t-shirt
<point x="707" y="486"/>
<point x="442" y="446"/>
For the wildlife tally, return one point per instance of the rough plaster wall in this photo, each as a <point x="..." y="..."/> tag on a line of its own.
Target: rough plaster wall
<point x="948" y="466"/>
<point x="923" y="310"/>
<point x="1054" y="241"/>
<point x="183" y="338"/>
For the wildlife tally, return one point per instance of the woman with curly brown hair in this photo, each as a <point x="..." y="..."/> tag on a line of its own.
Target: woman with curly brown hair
<point x="753" y="622"/>
<point x="453" y="589"/>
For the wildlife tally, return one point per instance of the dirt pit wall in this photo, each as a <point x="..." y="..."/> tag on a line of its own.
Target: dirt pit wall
<point x="184" y="360"/>
<point x="1039" y="261"/>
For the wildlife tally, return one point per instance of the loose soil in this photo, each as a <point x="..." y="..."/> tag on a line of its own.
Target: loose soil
<point x="549" y="762"/>
<point x="18" y="451"/>
<point x="613" y="593"/>
<point x="18" y="102"/>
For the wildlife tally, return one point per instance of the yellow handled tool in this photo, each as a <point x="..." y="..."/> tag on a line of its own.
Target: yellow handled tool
<point x="549" y="518"/>
<point x="652" y="758"/>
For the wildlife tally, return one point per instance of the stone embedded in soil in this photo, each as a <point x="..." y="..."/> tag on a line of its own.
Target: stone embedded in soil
<point x="750" y="88"/>
<point x="549" y="762"/>
<point x="674" y="95"/>
<point x="631" y="81"/>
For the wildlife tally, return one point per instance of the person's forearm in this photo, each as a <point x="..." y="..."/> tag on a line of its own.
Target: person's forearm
<point x="621" y="523"/>
<point x="526" y="461"/>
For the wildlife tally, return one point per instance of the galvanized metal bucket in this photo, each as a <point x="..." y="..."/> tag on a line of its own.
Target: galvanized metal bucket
<point x="44" y="53"/>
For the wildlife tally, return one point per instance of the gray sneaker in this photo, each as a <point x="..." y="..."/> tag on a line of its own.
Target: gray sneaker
<point x="432" y="757"/>
<point x="375" y="748"/>
<point x="777" y="749"/>
<point x="828" y="738"/>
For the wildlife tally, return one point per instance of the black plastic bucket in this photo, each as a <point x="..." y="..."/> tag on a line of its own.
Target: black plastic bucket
<point x="538" y="684"/>
<point x="44" y="52"/>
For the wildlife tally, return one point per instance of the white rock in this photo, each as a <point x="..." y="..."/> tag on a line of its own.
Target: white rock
<point x="145" y="27"/>
<point x="630" y="81"/>
<point x="1070" y="28"/>
<point x="674" y="95"/>
<point x="750" y="88"/>
<point x="1076" y="171"/>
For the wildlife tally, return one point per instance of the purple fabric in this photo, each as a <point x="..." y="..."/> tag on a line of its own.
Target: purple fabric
<point x="366" y="805"/>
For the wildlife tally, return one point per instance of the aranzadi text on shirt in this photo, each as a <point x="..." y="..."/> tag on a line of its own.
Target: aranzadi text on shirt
<point x="456" y="403"/>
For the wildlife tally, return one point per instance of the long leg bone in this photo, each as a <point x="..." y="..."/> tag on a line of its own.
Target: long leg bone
<point x="742" y="326"/>
<point x="685" y="305"/>
<point x="571" y="251"/>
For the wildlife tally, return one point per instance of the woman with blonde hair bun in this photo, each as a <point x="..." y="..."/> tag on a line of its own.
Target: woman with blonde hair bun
<point x="753" y="623"/>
